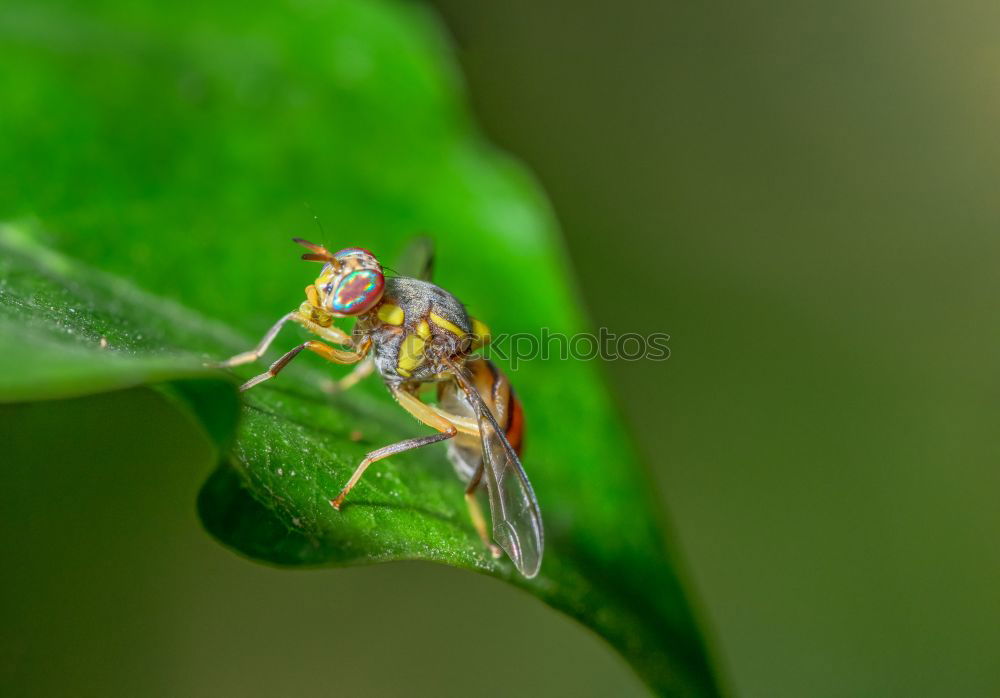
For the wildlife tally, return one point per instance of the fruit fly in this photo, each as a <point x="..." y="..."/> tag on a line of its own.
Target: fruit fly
<point x="416" y="335"/>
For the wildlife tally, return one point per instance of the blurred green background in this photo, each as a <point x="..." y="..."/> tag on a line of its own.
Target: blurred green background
<point x="809" y="194"/>
<point x="804" y="196"/>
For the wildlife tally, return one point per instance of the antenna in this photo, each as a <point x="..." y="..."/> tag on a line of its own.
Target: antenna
<point x="319" y="223"/>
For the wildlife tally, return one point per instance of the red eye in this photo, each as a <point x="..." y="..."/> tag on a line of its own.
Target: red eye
<point x="357" y="292"/>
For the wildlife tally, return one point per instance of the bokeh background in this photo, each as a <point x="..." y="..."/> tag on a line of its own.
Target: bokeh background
<point x="810" y="196"/>
<point x="806" y="195"/>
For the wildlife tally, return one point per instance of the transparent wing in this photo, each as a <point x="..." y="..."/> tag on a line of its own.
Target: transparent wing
<point x="517" y="522"/>
<point x="417" y="260"/>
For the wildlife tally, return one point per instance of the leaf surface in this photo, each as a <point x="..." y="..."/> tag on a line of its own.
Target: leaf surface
<point x="149" y="215"/>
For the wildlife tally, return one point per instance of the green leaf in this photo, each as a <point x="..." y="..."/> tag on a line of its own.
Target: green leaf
<point x="152" y="206"/>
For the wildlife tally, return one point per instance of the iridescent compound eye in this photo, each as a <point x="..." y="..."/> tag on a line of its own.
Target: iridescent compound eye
<point x="357" y="255"/>
<point x="357" y="292"/>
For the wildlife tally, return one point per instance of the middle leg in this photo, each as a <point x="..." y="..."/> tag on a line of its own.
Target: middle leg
<point x="360" y="372"/>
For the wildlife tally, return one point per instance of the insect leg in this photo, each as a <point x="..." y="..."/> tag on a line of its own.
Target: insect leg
<point x="258" y="351"/>
<point x="337" y="356"/>
<point x="412" y="404"/>
<point x="433" y="416"/>
<point x="476" y="513"/>
<point x="385" y="452"/>
<point x="331" y="334"/>
<point x="440" y="419"/>
<point x="360" y="372"/>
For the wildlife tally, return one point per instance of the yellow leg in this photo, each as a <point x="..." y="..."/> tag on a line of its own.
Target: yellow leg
<point x="421" y="411"/>
<point x="447" y="428"/>
<point x="258" y="351"/>
<point x="476" y="513"/>
<point x="337" y="356"/>
<point x="360" y="372"/>
<point x="331" y="334"/>
<point x="385" y="452"/>
<point x="432" y="416"/>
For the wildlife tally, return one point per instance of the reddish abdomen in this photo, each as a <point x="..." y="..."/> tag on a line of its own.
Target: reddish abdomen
<point x="499" y="395"/>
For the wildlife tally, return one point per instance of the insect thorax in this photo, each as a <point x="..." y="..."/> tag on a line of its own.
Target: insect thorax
<point x="414" y="328"/>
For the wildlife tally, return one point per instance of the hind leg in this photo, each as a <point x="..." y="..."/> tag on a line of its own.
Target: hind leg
<point x="476" y="513"/>
<point x="385" y="452"/>
<point x="420" y="411"/>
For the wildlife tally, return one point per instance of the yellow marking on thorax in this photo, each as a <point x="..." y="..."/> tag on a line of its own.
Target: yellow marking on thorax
<point x="391" y="314"/>
<point x="424" y="330"/>
<point x="411" y="354"/>
<point x="446" y="325"/>
<point x="482" y="333"/>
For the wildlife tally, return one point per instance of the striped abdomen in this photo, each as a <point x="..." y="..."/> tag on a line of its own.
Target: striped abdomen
<point x="465" y="451"/>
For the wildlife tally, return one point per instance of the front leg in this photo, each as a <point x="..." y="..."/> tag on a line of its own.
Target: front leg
<point x="337" y="356"/>
<point x="247" y="357"/>
<point x="332" y="334"/>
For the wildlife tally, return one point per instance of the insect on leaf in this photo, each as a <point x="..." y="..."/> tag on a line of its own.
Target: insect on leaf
<point x="148" y="218"/>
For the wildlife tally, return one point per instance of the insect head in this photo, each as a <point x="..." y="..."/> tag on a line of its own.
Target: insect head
<point x="351" y="281"/>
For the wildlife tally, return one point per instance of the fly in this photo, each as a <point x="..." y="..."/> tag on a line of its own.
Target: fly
<point x="418" y="336"/>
